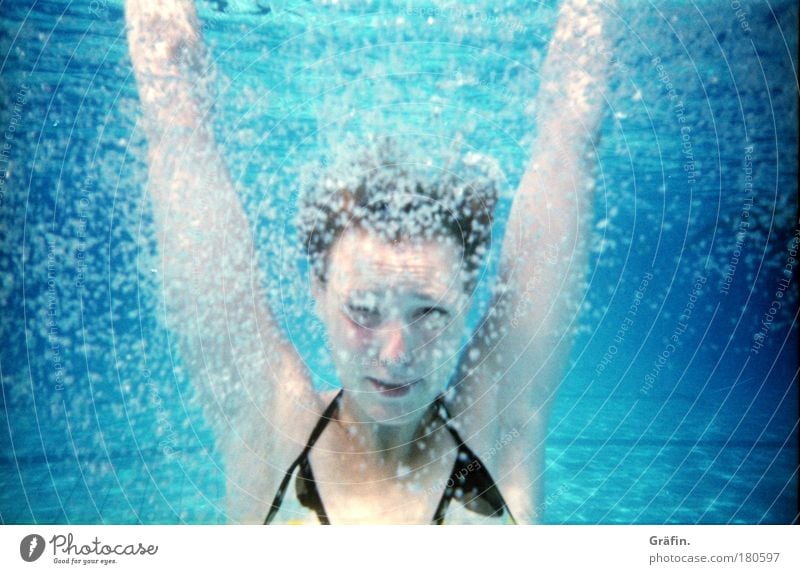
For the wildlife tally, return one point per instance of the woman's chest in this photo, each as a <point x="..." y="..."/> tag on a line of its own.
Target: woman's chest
<point x="355" y="494"/>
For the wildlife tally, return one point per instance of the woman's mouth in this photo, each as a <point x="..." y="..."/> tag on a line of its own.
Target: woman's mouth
<point x="392" y="389"/>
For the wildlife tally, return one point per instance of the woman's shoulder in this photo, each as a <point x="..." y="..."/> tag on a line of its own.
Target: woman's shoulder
<point x="326" y="397"/>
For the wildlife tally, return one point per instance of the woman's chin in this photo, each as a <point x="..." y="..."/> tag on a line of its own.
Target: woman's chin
<point x="395" y="407"/>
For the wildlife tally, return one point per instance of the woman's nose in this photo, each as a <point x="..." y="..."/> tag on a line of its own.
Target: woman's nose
<point x="394" y="347"/>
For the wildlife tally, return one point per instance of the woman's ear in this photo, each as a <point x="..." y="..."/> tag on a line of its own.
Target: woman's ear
<point x="318" y="293"/>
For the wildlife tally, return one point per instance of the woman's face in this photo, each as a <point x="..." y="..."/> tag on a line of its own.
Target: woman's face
<point x="395" y="315"/>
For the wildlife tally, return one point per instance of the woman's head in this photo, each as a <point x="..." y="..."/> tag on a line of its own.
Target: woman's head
<point x="387" y="194"/>
<point x="395" y="255"/>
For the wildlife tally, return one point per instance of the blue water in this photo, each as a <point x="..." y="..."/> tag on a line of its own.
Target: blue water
<point x="101" y="423"/>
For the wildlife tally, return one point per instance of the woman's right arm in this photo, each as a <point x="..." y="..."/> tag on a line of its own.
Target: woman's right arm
<point x="214" y="302"/>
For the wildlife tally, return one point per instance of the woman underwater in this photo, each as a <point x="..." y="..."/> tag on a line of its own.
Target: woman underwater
<point x="394" y="259"/>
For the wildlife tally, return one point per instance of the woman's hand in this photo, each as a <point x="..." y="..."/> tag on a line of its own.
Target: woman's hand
<point x="164" y="37"/>
<point x="574" y="74"/>
<point x="169" y="61"/>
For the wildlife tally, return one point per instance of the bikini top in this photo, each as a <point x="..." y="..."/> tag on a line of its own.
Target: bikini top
<point x="470" y="482"/>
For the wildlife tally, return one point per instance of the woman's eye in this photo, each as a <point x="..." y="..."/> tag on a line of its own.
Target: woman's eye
<point x="433" y="315"/>
<point x="366" y="316"/>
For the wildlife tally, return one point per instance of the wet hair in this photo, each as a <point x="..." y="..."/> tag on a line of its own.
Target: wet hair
<point x="385" y="192"/>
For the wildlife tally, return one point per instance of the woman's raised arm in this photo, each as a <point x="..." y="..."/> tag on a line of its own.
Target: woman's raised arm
<point x="524" y="343"/>
<point x="214" y="302"/>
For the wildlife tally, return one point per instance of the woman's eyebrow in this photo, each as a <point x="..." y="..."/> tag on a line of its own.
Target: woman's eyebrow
<point x="361" y="297"/>
<point x="430" y="298"/>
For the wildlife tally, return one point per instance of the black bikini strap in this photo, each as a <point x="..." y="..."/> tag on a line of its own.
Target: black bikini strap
<point x="463" y="449"/>
<point x="447" y="493"/>
<point x="329" y="413"/>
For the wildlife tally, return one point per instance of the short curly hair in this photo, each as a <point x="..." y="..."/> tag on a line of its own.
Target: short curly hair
<point x="383" y="191"/>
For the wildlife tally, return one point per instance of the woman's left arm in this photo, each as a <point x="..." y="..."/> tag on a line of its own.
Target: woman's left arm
<point x="523" y="345"/>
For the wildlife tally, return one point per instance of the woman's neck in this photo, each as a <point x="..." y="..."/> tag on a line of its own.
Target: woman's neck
<point x="389" y="450"/>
